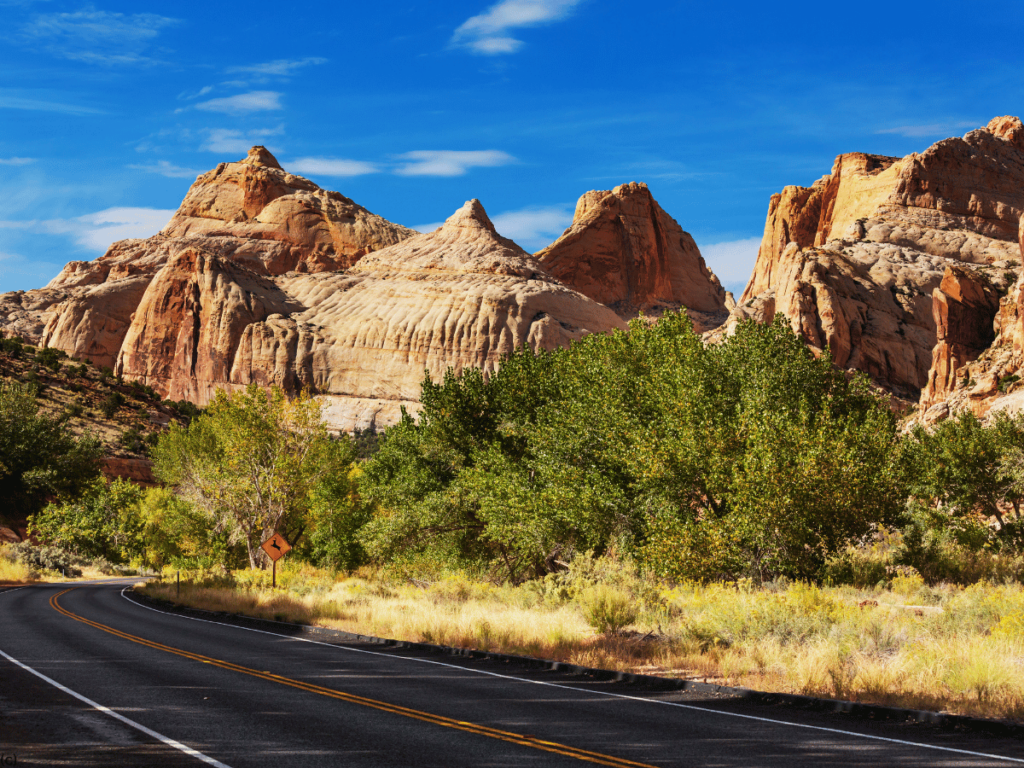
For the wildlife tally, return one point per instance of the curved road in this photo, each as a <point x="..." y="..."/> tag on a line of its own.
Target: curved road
<point x="90" y="678"/>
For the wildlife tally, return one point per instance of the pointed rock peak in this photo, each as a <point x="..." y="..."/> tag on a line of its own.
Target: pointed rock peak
<point x="631" y="188"/>
<point x="1009" y="128"/>
<point x="471" y="215"/>
<point x="260" y="155"/>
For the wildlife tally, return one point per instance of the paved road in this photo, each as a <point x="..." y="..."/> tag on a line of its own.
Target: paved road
<point x="127" y="685"/>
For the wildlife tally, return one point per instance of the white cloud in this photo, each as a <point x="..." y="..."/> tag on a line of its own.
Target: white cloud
<point x="933" y="129"/>
<point x="487" y="33"/>
<point x="16" y="160"/>
<point x="325" y="166"/>
<point x="96" y="231"/>
<point x="733" y="261"/>
<point x="227" y="140"/>
<point x="165" y="168"/>
<point x="534" y="227"/>
<point x="243" y="103"/>
<point x="450" y="162"/>
<point x="19" y="273"/>
<point x="10" y="99"/>
<point x="96" y="37"/>
<point x="279" y="67"/>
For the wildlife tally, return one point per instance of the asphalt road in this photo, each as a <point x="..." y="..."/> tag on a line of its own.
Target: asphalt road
<point x="127" y="685"/>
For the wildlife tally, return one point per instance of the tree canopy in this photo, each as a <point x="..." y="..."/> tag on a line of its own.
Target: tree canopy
<point x="649" y="441"/>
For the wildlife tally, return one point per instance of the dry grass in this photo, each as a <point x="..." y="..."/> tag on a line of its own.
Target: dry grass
<point x="952" y="649"/>
<point x="12" y="571"/>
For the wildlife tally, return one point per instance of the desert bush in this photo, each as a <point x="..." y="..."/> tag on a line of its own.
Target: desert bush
<point x="607" y="609"/>
<point x="111" y="403"/>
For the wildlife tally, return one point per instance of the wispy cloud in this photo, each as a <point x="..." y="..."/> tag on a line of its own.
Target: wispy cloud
<point x="278" y="67"/>
<point x="168" y="169"/>
<point x="224" y="140"/>
<point x="12" y="99"/>
<point x="932" y="129"/>
<point x="244" y="103"/>
<point x="488" y="33"/>
<point x="534" y="227"/>
<point x="16" y="160"/>
<point x="733" y="261"/>
<point x="18" y="272"/>
<point x="326" y="166"/>
<point x="96" y="231"/>
<point x="445" y="162"/>
<point x="96" y="37"/>
<point x="189" y="95"/>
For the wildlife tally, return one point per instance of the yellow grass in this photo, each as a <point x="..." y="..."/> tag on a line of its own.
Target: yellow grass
<point x="952" y="649"/>
<point x="11" y="571"/>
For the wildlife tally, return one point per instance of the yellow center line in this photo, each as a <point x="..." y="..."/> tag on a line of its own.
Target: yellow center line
<point x="427" y="717"/>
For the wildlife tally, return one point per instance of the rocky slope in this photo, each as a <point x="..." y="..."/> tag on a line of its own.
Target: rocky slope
<point x="624" y="251"/>
<point x="854" y="261"/>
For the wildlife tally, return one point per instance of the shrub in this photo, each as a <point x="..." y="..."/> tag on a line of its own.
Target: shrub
<point x="133" y="441"/>
<point x="51" y="358"/>
<point x="46" y="558"/>
<point x="607" y="609"/>
<point x="111" y="403"/>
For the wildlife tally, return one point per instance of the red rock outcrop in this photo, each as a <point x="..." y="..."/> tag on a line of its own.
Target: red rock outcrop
<point x="992" y="380"/>
<point x="854" y="260"/>
<point x="963" y="307"/>
<point x="624" y="251"/>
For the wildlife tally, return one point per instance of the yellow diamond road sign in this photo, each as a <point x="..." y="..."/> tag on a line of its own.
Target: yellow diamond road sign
<point x="276" y="546"/>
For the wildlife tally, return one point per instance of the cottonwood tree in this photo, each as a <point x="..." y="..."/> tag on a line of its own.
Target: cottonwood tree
<point x="40" y="459"/>
<point x="254" y="462"/>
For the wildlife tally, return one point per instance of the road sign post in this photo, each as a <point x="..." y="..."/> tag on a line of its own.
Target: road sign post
<point x="275" y="547"/>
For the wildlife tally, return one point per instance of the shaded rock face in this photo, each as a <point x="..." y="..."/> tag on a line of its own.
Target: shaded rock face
<point x="963" y="307"/>
<point x="987" y="382"/>
<point x="854" y="261"/>
<point x="460" y="296"/>
<point x="624" y="251"/>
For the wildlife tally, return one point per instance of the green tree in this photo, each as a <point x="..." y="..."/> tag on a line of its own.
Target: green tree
<point x="650" y="441"/>
<point x="39" y="457"/>
<point x="103" y="522"/>
<point x="969" y="472"/>
<point x="253" y="462"/>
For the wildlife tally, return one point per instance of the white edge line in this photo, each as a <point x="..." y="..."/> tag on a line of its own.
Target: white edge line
<point x="118" y="716"/>
<point x="584" y="690"/>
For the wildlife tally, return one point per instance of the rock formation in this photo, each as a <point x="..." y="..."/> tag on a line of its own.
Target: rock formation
<point x="362" y="339"/>
<point x="251" y="213"/>
<point x="981" y="381"/>
<point x="624" y="251"/>
<point x="854" y="261"/>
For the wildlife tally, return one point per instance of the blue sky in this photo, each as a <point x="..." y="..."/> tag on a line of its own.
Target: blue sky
<point x="108" y="110"/>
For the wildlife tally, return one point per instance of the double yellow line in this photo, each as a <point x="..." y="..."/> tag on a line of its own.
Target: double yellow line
<point x="459" y="725"/>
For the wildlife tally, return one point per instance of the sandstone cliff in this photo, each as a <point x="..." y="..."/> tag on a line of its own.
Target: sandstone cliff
<point x="854" y="261"/>
<point x="624" y="251"/>
<point x="362" y="339"/>
<point x="251" y="213"/>
<point x="967" y="374"/>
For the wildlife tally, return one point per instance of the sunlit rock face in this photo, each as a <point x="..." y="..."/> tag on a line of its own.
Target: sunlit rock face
<point x="624" y="251"/>
<point x="855" y="261"/>
<point x="362" y="339"/>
